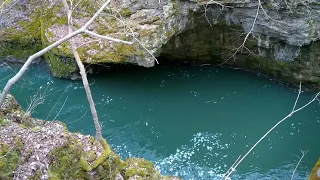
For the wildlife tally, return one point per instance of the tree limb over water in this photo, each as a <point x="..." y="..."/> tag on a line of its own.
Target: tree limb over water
<point x="294" y="110"/>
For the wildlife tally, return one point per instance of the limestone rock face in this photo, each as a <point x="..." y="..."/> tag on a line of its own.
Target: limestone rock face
<point x="283" y="42"/>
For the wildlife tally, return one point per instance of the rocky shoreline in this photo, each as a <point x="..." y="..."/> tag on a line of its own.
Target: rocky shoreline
<point x="33" y="149"/>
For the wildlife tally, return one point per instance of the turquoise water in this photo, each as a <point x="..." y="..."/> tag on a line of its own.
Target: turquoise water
<point x="191" y="121"/>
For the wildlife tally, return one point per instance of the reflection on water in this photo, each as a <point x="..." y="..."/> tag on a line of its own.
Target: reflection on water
<point x="193" y="122"/>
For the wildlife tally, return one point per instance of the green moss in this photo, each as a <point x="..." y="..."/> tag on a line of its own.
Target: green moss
<point x="84" y="164"/>
<point x="60" y="60"/>
<point x="110" y="167"/>
<point x="36" y="128"/>
<point x="175" y="7"/>
<point x="313" y="175"/>
<point x="125" y="12"/>
<point x="22" y="126"/>
<point x="60" y="66"/>
<point x="86" y="8"/>
<point x="9" y="159"/>
<point x="92" y="139"/>
<point x="67" y="162"/>
<point x="91" y="156"/>
<point x="140" y="169"/>
<point x="64" y="126"/>
<point x="3" y="148"/>
<point x="21" y="43"/>
<point x="101" y="159"/>
<point x="4" y="121"/>
<point x="156" y="18"/>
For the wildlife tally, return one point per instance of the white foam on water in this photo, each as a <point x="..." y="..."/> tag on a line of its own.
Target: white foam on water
<point x="193" y="161"/>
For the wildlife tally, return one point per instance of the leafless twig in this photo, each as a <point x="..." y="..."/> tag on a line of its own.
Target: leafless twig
<point x="36" y="100"/>
<point x="60" y="109"/>
<point x="271" y="129"/>
<point x="220" y="4"/>
<point x="7" y="152"/>
<point x="240" y="48"/>
<point x="25" y="67"/>
<point x="303" y="153"/>
<point x="58" y="100"/>
<point x="132" y="34"/>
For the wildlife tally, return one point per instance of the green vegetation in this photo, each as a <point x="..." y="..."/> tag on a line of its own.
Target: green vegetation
<point x="67" y="162"/>
<point x="3" y="121"/>
<point x="125" y="12"/>
<point x="314" y="174"/>
<point x="110" y="167"/>
<point x="10" y="158"/>
<point x="140" y="169"/>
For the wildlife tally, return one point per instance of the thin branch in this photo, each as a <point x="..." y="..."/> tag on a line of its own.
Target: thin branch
<point x="36" y="100"/>
<point x="5" y="78"/>
<point x="78" y="118"/>
<point x="26" y="65"/>
<point x="132" y="34"/>
<point x="84" y="78"/>
<point x="265" y="13"/>
<point x="73" y="8"/>
<point x="87" y="43"/>
<point x="7" y="152"/>
<point x="3" y="3"/>
<point x="85" y="27"/>
<point x="303" y="153"/>
<point x="295" y="103"/>
<point x="231" y="169"/>
<point x="107" y="37"/>
<point x="222" y="6"/>
<point x="271" y="129"/>
<point x="240" y="48"/>
<point x="58" y="100"/>
<point x="60" y="109"/>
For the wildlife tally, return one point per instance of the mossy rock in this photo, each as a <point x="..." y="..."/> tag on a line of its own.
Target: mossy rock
<point x="3" y="148"/>
<point x="24" y="41"/>
<point x="126" y="12"/>
<point x="10" y="105"/>
<point x="110" y="167"/>
<point x="3" y="122"/>
<point x="140" y="169"/>
<point x="315" y="172"/>
<point x="60" y="66"/>
<point x="67" y="162"/>
<point x="10" y="158"/>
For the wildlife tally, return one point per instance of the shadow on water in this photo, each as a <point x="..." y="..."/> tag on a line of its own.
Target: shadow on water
<point x="190" y="121"/>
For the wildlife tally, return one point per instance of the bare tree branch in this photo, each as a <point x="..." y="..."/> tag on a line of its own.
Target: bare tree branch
<point x="132" y="34"/>
<point x="26" y="65"/>
<point x="240" y="48"/>
<point x="271" y="129"/>
<point x="58" y="101"/>
<point x="303" y="153"/>
<point x="7" y="152"/>
<point x="35" y="101"/>
<point x="83" y="72"/>
<point x="4" y="2"/>
<point x="222" y="6"/>
<point x="60" y="109"/>
<point x="107" y="37"/>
